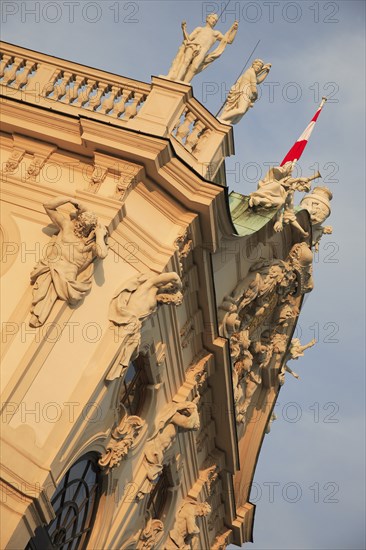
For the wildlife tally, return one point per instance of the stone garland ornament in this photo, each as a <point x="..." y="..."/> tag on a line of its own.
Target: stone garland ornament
<point x="135" y="301"/>
<point x="65" y="272"/>
<point x="244" y="92"/>
<point x="193" y="55"/>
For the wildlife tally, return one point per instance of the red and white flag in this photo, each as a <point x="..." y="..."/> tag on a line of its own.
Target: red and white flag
<point x="297" y="149"/>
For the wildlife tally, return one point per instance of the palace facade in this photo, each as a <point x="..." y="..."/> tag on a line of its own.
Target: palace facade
<point x="147" y="315"/>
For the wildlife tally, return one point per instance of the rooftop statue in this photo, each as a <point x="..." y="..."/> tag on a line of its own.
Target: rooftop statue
<point x="193" y="55"/>
<point x="317" y="203"/>
<point x="244" y="92"/>
<point x="65" y="272"/>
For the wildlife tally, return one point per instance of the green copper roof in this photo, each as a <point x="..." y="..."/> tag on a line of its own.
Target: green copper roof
<point x="245" y="219"/>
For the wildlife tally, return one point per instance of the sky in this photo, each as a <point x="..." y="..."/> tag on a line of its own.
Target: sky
<point x="309" y="486"/>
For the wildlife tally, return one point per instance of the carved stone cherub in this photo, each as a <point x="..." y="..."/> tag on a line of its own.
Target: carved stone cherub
<point x="193" y="55"/>
<point x="244" y="92"/>
<point x="65" y="272"/>
<point x="185" y="527"/>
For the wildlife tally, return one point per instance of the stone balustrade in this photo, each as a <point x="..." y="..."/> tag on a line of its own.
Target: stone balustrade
<point x="163" y="108"/>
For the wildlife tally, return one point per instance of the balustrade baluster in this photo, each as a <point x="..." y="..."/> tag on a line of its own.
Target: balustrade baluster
<point x="184" y="129"/>
<point x="84" y="95"/>
<point x="60" y="89"/>
<point x="131" y="110"/>
<point x="10" y="74"/>
<point x="193" y="138"/>
<point x="73" y="92"/>
<point x="95" y="101"/>
<point x="120" y="106"/>
<point x="5" y="61"/>
<point x="108" y="103"/>
<point x="22" y="78"/>
<point x="201" y="141"/>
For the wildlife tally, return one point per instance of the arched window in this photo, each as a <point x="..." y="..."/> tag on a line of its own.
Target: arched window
<point x="133" y="391"/>
<point x="159" y="495"/>
<point x="75" y="504"/>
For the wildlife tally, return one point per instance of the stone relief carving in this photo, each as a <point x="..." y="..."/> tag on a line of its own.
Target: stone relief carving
<point x="129" y="175"/>
<point x="176" y="418"/>
<point x="148" y="538"/>
<point x="185" y="245"/>
<point x="276" y="190"/>
<point x="65" y="272"/>
<point x="317" y="203"/>
<point x="151" y="535"/>
<point x="135" y="301"/>
<point x="193" y="55"/>
<point x="244" y="92"/>
<point x="197" y="372"/>
<point x="222" y="540"/>
<point x="185" y="528"/>
<point x="270" y="291"/>
<point x="13" y="161"/>
<point x="209" y="474"/>
<point x="252" y="296"/>
<point x="123" y="436"/>
<point x="96" y="179"/>
<point x="40" y="158"/>
<point x="295" y="351"/>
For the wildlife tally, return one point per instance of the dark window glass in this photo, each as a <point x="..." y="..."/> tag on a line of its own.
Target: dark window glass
<point x="158" y="495"/>
<point x="134" y="386"/>
<point x="75" y="503"/>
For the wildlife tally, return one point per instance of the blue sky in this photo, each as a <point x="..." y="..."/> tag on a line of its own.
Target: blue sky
<point x="314" y="455"/>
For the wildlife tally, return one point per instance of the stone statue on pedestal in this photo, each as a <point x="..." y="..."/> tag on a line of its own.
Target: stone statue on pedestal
<point x="193" y="56"/>
<point x="244" y="92"/>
